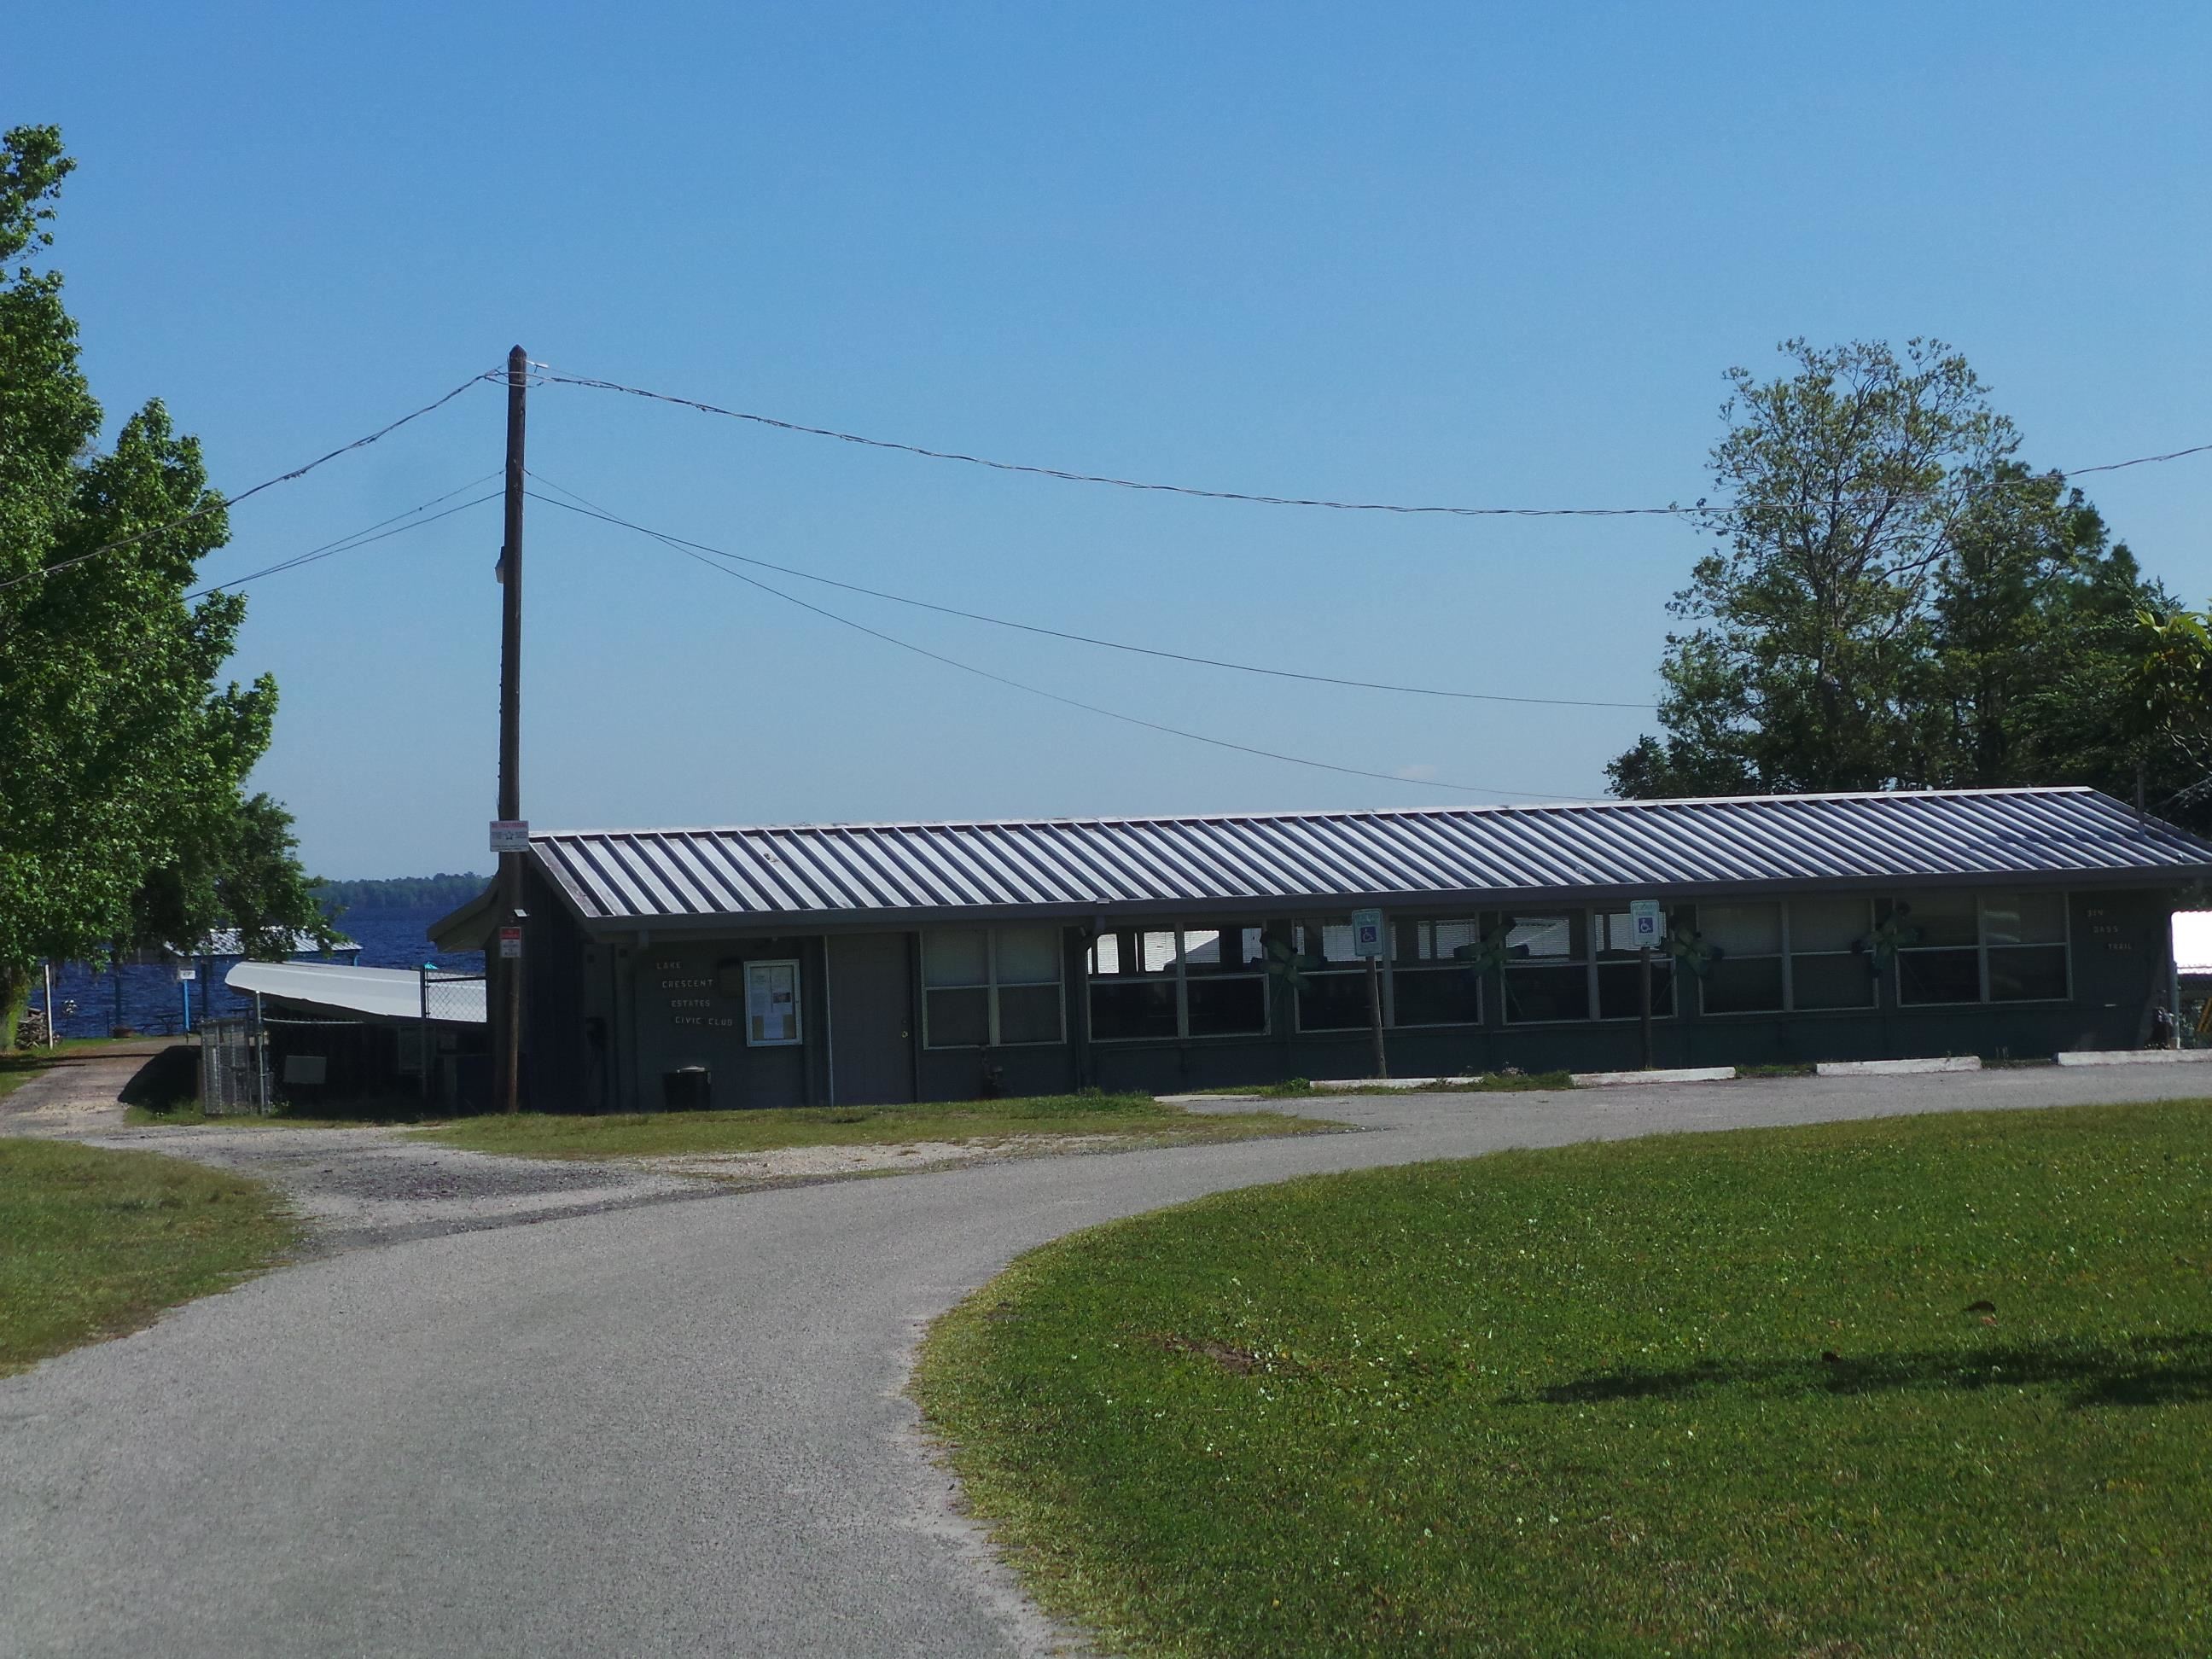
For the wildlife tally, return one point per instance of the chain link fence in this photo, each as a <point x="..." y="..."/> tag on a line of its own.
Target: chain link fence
<point x="450" y="1002"/>
<point x="234" y="1068"/>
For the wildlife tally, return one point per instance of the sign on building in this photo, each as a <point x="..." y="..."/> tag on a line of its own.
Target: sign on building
<point x="771" y="1005"/>
<point x="510" y="835"/>
<point x="510" y="942"/>
<point x="1645" y="926"/>
<point x="1367" y="933"/>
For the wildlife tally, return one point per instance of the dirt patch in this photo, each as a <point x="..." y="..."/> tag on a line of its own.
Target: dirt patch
<point x="821" y="1163"/>
<point x="1241" y="1361"/>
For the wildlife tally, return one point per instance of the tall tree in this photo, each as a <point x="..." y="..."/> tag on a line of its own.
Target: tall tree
<point x="239" y="868"/>
<point x="1894" y="602"/>
<point x="2170" y="697"/>
<point x="117" y="746"/>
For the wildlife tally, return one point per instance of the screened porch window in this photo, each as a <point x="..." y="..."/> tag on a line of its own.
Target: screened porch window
<point x="1547" y="967"/>
<point x="1334" y="996"/>
<point x="1828" y="966"/>
<point x="1981" y="947"/>
<point x="1429" y="984"/>
<point x="1748" y="978"/>
<point x="991" y="988"/>
<point x="1178" y="983"/>
<point x="1620" y="969"/>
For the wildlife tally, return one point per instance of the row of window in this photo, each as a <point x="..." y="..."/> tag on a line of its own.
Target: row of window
<point x="1001" y="987"/>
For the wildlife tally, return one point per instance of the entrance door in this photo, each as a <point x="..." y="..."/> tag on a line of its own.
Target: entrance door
<point x="870" y="1019"/>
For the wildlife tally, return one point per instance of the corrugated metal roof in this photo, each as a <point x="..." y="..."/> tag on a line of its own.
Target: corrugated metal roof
<point x="1092" y="865"/>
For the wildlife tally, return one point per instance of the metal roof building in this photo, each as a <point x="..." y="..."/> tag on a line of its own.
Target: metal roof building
<point x="1078" y="866"/>
<point x="813" y="963"/>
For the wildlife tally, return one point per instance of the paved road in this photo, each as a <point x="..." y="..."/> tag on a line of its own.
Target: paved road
<point x="676" y="1428"/>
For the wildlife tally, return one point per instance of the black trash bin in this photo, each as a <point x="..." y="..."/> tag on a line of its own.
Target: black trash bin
<point x="686" y="1088"/>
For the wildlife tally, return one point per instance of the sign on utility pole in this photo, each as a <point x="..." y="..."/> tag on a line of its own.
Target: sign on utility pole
<point x="1648" y="927"/>
<point x="1368" y="941"/>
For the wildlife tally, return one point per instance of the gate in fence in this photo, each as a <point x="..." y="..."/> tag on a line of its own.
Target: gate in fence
<point x="452" y="1002"/>
<point x="234" y="1068"/>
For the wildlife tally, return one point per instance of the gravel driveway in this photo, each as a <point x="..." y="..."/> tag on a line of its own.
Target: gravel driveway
<point x="664" y="1428"/>
<point x="354" y="1187"/>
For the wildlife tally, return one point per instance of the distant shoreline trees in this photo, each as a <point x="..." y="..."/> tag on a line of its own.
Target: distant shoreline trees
<point x="401" y="893"/>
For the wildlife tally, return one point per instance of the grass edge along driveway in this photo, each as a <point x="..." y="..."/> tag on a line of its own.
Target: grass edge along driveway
<point x="1139" y="1118"/>
<point x="1930" y="1386"/>
<point x="95" y="1243"/>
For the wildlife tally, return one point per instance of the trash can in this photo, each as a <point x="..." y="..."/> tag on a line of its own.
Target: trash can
<point x="686" y="1088"/>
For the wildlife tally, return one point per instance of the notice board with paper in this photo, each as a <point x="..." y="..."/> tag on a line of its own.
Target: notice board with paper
<point x="771" y="1005"/>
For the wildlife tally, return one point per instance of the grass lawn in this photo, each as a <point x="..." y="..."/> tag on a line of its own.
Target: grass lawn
<point x="93" y="1242"/>
<point x="1929" y="1386"/>
<point x="672" y="1133"/>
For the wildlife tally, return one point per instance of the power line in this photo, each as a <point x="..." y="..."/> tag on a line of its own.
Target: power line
<point x="359" y="538"/>
<point x="589" y="511"/>
<point x="1073" y="702"/>
<point x="1067" y="477"/>
<point x="545" y="377"/>
<point x="216" y="503"/>
<point x="2141" y="460"/>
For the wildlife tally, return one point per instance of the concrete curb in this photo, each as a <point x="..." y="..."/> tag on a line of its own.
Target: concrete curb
<point x="1680" y="1074"/>
<point x="1322" y="1085"/>
<point x="1897" y="1068"/>
<point x="2134" y="1056"/>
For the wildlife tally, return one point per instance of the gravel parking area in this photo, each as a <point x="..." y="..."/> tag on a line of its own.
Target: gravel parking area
<point x="374" y="1186"/>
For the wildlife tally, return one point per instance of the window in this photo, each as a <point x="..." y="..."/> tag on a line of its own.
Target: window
<point x="1193" y="981"/>
<point x="990" y="988"/>
<point x="1428" y="984"/>
<point x="2025" y="934"/>
<point x="1333" y="997"/>
<point x="1547" y="967"/>
<point x="1943" y="962"/>
<point x="1747" y="977"/>
<point x="1828" y="965"/>
<point x="1620" y="969"/>
<point x="1987" y="947"/>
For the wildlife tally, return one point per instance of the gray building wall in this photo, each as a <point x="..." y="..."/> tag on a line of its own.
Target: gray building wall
<point x="611" y="1020"/>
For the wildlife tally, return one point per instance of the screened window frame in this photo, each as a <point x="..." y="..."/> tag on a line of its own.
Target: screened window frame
<point x="1602" y="955"/>
<point x="1982" y="947"/>
<point x="1594" y="956"/>
<point x="1388" y="965"/>
<point x="1418" y="967"/>
<point x="1788" y="955"/>
<point x="1181" y="978"/>
<point x="991" y="986"/>
<point x="1782" y="955"/>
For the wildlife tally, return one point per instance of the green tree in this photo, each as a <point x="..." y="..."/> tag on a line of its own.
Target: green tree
<point x="117" y="747"/>
<point x="240" y="869"/>
<point x="1894" y="602"/>
<point x="2170" y="697"/>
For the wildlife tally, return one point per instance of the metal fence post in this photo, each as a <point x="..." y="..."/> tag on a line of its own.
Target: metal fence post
<point x="423" y="1031"/>
<point x="260" y="1057"/>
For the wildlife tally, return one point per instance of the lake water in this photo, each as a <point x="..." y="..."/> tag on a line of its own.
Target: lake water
<point x="153" y="1000"/>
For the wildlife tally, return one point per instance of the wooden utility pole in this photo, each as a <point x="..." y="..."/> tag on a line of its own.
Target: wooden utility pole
<point x="509" y="1057"/>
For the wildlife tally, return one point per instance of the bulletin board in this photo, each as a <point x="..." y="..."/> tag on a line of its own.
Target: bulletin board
<point x="772" y="1004"/>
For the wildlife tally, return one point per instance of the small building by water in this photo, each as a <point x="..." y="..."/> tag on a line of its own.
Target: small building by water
<point x="859" y="963"/>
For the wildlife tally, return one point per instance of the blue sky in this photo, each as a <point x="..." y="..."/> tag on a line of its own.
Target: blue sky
<point x="1480" y="254"/>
